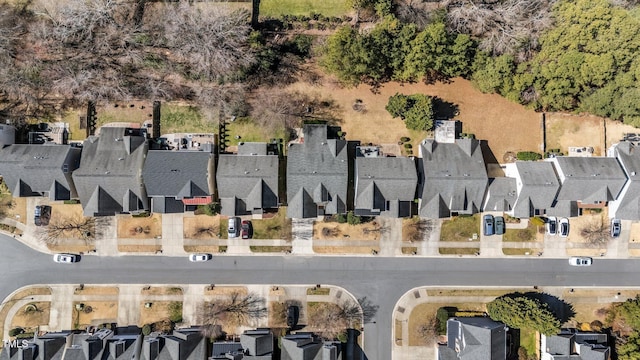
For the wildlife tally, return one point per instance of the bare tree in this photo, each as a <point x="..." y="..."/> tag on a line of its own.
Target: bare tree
<point x="242" y="309"/>
<point x="428" y="331"/>
<point x="76" y="227"/>
<point x="596" y="232"/>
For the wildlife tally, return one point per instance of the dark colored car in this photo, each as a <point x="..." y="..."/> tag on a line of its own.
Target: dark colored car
<point x="499" y="225"/>
<point x="293" y="313"/>
<point x="41" y="215"/>
<point x="247" y="229"/>
<point x="488" y="225"/>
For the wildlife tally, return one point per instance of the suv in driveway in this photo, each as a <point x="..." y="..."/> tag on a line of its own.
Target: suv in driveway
<point x="488" y="225"/>
<point x="233" y="229"/>
<point x="499" y="225"/>
<point x="41" y="215"/>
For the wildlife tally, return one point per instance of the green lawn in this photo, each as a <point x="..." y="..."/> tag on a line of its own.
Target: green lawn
<point x="249" y="132"/>
<point x="459" y="251"/>
<point x="277" y="227"/>
<point x="460" y="228"/>
<point x="274" y="8"/>
<point x="272" y="249"/>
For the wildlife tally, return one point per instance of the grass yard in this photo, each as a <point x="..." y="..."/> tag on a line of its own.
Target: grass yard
<point x="276" y="8"/>
<point x="248" y="131"/>
<point x="423" y="314"/>
<point x="158" y="311"/>
<point x="460" y="228"/>
<point x="318" y="291"/>
<point x="226" y="290"/>
<point x="94" y="313"/>
<point x="32" y="315"/>
<point x="332" y="230"/>
<point x="130" y="227"/>
<point x="276" y="227"/>
<point x="96" y="290"/>
<point x="271" y="249"/>
<point x="202" y="227"/>
<point x="521" y="235"/>
<point x="520" y="251"/>
<point x="409" y="250"/>
<point x="162" y="290"/>
<point x="459" y="251"/>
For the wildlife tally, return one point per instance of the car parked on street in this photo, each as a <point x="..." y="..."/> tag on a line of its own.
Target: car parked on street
<point x="66" y="258"/>
<point x="616" y="227"/>
<point x="564" y="227"/>
<point x="200" y="257"/>
<point x="233" y="228"/>
<point x="488" y="225"/>
<point x="499" y="225"/>
<point x="551" y="225"/>
<point x="580" y="261"/>
<point x="247" y="229"/>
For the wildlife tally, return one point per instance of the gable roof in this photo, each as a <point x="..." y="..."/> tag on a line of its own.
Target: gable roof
<point x="589" y="179"/>
<point x="572" y="344"/>
<point x="537" y="185"/>
<point x="257" y="342"/>
<point x="247" y="183"/>
<point x="501" y="194"/>
<point x="477" y="338"/>
<point x="385" y="179"/>
<point x="455" y="177"/>
<point x="109" y="179"/>
<point x="180" y="174"/>
<point x="301" y="346"/>
<point x="182" y="344"/>
<point x="627" y="205"/>
<point x="317" y="173"/>
<point x="30" y="170"/>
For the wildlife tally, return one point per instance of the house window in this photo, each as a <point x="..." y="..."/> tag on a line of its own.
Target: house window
<point x="387" y="205"/>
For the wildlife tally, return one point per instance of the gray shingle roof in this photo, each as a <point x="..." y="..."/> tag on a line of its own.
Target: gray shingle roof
<point x="30" y="170"/>
<point x="317" y="174"/>
<point x="171" y="175"/>
<point x="247" y="183"/>
<point x="589" y="179"/>
<point x="182" y="344"/>
<point x="477" y="338"/>
<point x="571" y="344"/>
<point x="501" y="195"/>
<point x="455" y="177"/>
<point x="628" y="202"/>
<point x="537" y="185"/>
<point x="109" y="180"/>
<point x="257" y="342"/>
<point x="385" y="179"/>
<point x="301" y="346"/>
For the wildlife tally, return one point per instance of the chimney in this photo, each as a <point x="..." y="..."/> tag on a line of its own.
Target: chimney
<point x="156" y="119"/>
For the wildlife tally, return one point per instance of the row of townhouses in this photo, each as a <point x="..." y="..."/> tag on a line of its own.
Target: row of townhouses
<point x="120" y="171"/>
<point x="128" y="343"/>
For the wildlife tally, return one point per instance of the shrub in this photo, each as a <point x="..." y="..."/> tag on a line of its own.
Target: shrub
<point x="353" y="219"/>
<point x="16" y="331"/>
<point x="408" y="146"/>
<point x="442" y="315"/>
<point x="528" y="156"/>
<point x="405" y="139"/>
<point x="339" y="218"/>
<point x="146" y="330"/>
<point x="211" y="209"/>
<point x="537" y="221"/>
<point x="175" y="311"/>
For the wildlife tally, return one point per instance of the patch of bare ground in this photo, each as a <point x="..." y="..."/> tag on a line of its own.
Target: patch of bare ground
<point x="335" y="231"/>
<point x="202" y="227"/>
<point x="424" y="315"/>
<point x="158" y="311"/>
<point x="202" y="248"/>
<point x="277" y="314"/>
<point x="32" y="315"/>
<point x="93" y="313"/>
<point x="139" y="248"/>
<point x="226" y="290"/>
<point x="130" y="227"/>
<point x="73" y="237"/>
<point x="71" y="248"/>
<point x="505" y="125"/>
<point x="18" y="209"/>
<point x="96" y="290"/>
<point x="346" y="249"/>
<point x="565" y="130"/>
<point x="589" y="245"/>
<point x="161" y="290"/>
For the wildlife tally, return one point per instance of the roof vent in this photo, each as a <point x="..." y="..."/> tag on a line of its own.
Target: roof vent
<point x="246" y="172"/>
<point x="107" y="172"/>
<point x="314" y="172"/>
<point x="118" y="139"/>
<point x="121" y="158"/>
<point x="633" y="173"/>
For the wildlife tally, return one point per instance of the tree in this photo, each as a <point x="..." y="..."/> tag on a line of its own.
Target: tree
<point x="62" y="228"/>
<point x="416" y="110"/>
<point x="330" y="320"/>
<point x="630" y="312"/>
<point x="521" y="312"/>
<point x="243" y="309"/>
<point x="596" y="232"/>
<point x="397" y="105"/>
<point x="630" y="349"/>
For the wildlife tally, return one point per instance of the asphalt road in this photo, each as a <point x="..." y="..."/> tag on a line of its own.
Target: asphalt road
<point x="381" y="280"/>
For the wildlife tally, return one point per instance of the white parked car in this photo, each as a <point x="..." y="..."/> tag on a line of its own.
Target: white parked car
<point x="200" y="257"/>
<point x="580" y="261"/>
<point x="564" y="227"/>
<point x="66" y="258"/>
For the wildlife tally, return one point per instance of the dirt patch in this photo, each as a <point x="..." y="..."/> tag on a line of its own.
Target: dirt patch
<point x="97" y="290"/>
<point x="415" y="229"/>
<point x="202" y="248"/>
<point x="565" y="130"/>
<point x="586" y="248"/>
<point x="277" y="314"/>
<point x="202" y="227"/>
<point x="161" y="290"/>
<point x="18" y="209"/>
<point x="336" y="231"/>
<point x="505" y="125"/>
<point x="140" y="248"/>
<point x="62" y="214"/>
<point x="616" y="131"/>
<point x="130" y="227"/>
<point x="409" y="250"/>
<point x="94" y="313"/>
<point x="79" y="248"/>
<point x="32" y="315"/>
<point x="226" y="290"/>
<point x="158" y="311"/>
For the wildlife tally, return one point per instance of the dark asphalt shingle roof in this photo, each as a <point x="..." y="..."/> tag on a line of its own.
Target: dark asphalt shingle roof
<point x="257" y="342"/>
<point x="478" y="338"/>
<point x="589" y="179"/>
<point x="537" y="186"/>
<point x="251" y="180"/>
<point x="29" y="169"/>
<point x="455" y="177"/>
<point x="501" y="195"/>
<point x="178" y="173"/>
<point x="109" y="180"/>
<point x="382" y="179"/>
<point x="628" y="202"/>
<point x="317" y="173"/>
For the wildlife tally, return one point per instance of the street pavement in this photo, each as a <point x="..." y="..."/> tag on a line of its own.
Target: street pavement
<point x="382" y="280"/>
